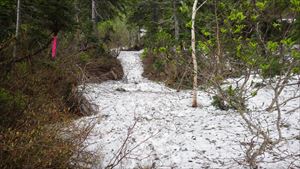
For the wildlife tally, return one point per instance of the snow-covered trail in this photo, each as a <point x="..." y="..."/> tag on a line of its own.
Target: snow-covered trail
<point x="168" y="133"/>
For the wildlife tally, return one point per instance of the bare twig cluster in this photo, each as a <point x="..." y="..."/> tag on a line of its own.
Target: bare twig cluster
<point x="125" y="149"/>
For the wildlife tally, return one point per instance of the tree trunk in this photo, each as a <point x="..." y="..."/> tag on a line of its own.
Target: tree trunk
<point x="176" y="23"/>
<point x="193" y="41"/>
<point x="138" y="36"/>
<point x="219" y="53"/>
<point x="94" y="15"/>
<point x="155" y="17"/>
<point x="17" y="29"/>
<point x="77" y="21"/>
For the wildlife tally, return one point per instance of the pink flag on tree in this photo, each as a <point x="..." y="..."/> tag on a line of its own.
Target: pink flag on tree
<point x="54" y="44"/>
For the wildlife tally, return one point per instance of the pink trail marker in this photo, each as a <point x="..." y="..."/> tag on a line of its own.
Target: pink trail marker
<point x="54" y="43"/>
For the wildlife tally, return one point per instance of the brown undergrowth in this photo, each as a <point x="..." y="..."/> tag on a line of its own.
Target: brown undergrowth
<point x="37" y="106"/>
<point x="171" y="67"/>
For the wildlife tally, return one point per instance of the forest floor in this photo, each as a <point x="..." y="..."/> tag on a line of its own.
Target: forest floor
<point x="142" y="123"/>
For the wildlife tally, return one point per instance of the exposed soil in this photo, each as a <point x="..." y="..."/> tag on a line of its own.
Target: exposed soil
<point x="104" y="69"/>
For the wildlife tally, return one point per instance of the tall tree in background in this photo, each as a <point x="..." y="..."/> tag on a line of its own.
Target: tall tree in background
<point x="218" y="41"/>
<point x="90" y="13"/>
<point x="17" y="28"/>
<point x="94" y="15"/>
<point x="176" y="21"/>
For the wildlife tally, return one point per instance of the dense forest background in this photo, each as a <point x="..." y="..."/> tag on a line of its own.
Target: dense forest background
<point x="38" y="93"/>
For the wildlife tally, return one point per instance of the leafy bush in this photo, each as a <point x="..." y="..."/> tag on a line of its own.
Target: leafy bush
<point x="160" y="39"/>
<point x="219" y="103"/>
<point x="158" y="64"/>
<point x="144" y="54"/>
<point x="232" y="99"/>
<point x="272" y="68"/>
<point x="114" y="33"/>
<point x="162" y="49"/>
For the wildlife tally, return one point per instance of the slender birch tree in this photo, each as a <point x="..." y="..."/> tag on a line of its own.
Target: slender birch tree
<point x="193" y="41"/>
<point x="193" y="44"/>
<point x="17" y="28"/>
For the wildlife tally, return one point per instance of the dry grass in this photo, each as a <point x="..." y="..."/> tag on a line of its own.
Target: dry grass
<point x="37" y="95"/>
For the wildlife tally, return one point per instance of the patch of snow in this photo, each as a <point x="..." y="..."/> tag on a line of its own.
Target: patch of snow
<point x="169" y="133"/>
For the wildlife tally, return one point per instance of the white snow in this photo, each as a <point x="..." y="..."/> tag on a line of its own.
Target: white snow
<point x="169" y="133"/>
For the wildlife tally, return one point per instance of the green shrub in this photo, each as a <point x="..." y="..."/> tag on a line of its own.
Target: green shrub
<point x="158" y="64"/>
<point x="162" y="49"/>
<point x="11" y="107"/>
<point x="114" y="33"/>
<point x="232" y="100"/>
<point x="144" y="54"/>
<point x="160" y="39"/>
<point x="84" y="57"/>
<point x="272" y="68"/>
<point x="219" y="103"/>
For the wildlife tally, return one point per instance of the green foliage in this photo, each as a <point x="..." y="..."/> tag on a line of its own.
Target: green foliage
<point x="261" y="5"/>
<point x="188" y="25"/>
<point x="295" y="5"/>
<point x="295" y="54"/>
<point x="160" y="39"/>
<point x="205" y="32"/>
<point x="162" y="49"/>
<point x="252" y="35"/>
<point x="84" y="57"/>
<point x="9" y="102"/>
<point x="272" y="46"/>
<point x="7" y="15"/>
<point x="144" y="54"/>
<point x="237" y="16"/>
<point x="114" y="33"/>
<point x="271" y="68"/>
<point x="205" y="46"/>
<point x="158" y="64"/>
<point x="238" y="28"/>
<point x="231" y="99"/>
<point x="184" y="8"/>
<point x="219" y="103"/>
<point x="53" y="15"/>
<point x="296" y="70"/>
<point x="108" y="9"/>
<point x="11" y="106"/>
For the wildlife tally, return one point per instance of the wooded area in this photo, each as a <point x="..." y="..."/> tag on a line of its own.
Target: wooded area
<point x="52" y="52"/>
